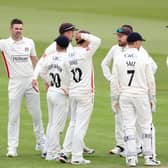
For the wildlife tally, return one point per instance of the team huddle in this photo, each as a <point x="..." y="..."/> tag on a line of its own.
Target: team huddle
<point x="68" y="73"/>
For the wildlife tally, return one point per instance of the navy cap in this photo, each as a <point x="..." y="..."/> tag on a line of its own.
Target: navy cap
<point x="64" y="27"/>
<point x="124" y="30"/>
<point x="62" y="41"/>
<point x="134" y="36"/>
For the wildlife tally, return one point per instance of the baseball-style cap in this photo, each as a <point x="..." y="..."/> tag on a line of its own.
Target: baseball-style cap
<point x="124" y="30"/>
<point x="134" y="36"/>
<point x="62" y="41"/>
<point x="64" y="27"/>
<point x="128" y="26"/>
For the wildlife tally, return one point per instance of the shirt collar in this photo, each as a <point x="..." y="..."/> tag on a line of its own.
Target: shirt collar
<point x="13" y="41"/>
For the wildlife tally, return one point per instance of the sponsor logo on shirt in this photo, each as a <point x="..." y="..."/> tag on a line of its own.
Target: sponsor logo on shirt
<point x="26" y="49"/>
<point x="20" y="58"/>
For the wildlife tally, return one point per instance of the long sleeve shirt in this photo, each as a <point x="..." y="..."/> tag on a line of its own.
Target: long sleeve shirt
<point x="132" y="75"/>
<point x="81" y="67"/>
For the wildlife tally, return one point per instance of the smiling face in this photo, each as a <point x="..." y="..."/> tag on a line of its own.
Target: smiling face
<point x="16" y="31"/>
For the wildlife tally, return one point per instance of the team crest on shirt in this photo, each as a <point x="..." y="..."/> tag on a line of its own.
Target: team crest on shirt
<point x="26" y="49"/>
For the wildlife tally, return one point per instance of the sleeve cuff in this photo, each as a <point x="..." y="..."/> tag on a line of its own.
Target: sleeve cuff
<point x="115" y="98"/>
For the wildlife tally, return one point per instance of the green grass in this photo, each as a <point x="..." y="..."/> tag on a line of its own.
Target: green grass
<point x="41" y="20"/>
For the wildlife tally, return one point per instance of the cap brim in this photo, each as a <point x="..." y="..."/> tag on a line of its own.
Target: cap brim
<point x="121" y="33"/>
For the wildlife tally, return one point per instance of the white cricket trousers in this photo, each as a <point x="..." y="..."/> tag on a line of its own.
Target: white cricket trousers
<point x="57" y="115"/>
<point x="136" y="110"/>
<point x="17" y="89"/>
<point x="81" y="110"/>
<point x="119" y="134"/>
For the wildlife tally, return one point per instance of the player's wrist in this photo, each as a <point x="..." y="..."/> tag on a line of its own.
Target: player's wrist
<point x="152" y="98"/>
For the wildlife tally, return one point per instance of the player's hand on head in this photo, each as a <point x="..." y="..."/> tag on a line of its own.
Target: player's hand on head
<point x="78" y="36"/>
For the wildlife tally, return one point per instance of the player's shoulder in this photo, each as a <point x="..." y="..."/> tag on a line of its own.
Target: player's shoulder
<point x="28" y="40"/>
<point x="51" y="48"/>
<point x="143" y="50"/>
<point x="5" y="40"/>
<point x="115" y="47"/>
<point x="2" y="41"/>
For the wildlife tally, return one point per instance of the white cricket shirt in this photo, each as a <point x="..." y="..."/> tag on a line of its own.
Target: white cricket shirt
<point x="16" y="55"/>
<point x="81" y="67"/>
<point x="132" y="75"/>
<point x="51" y="49"/>
<point x="113" y="53"/>
<point x="54" y="69"/>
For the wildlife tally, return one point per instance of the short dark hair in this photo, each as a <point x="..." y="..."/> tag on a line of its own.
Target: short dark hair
<point x="62" y="41"/>
<point x="133" y="37"/>
<point x="16" y="21"/>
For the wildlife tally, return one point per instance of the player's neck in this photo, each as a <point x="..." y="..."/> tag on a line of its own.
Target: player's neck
<point x="60" y="49"/>
<point x="17" y="38"/>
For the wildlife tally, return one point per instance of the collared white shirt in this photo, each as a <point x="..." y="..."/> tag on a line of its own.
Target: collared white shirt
<point x="113" y="53"/>
<point x="53" y="68"/>
<point x="16" y="55"/>
<point x="81" y="67"/>
<point x="132" y="75"/>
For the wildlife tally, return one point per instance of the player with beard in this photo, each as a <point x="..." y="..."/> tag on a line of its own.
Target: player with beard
<point x="122" y="34"/>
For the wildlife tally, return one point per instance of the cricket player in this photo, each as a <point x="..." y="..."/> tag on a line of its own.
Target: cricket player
<point x="81" y="93"/>
<point x="133" y="91"/>
<point x="122" y="34"/>
<point x="167" y="61"/>
<point x="19" y="56"/>
<point x="54" y="70"/>
<point x="68" y="30"/>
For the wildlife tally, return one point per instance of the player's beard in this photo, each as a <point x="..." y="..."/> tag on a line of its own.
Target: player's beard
<point x="122" y="44"/>
<point x="17" y="36"/>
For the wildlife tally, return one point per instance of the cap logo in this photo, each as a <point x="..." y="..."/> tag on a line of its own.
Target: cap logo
<point x="120" y="30"/>
<point x="69" y="28"/>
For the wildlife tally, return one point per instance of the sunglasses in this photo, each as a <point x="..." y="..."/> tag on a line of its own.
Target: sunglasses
<point x="122" y="30"/>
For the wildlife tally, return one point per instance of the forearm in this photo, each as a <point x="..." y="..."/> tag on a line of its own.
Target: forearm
<point x="106" y="70"/>
<point x="37" y="69"/>
<point x="94" y="42"/>
<point x="34" y="60"/>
